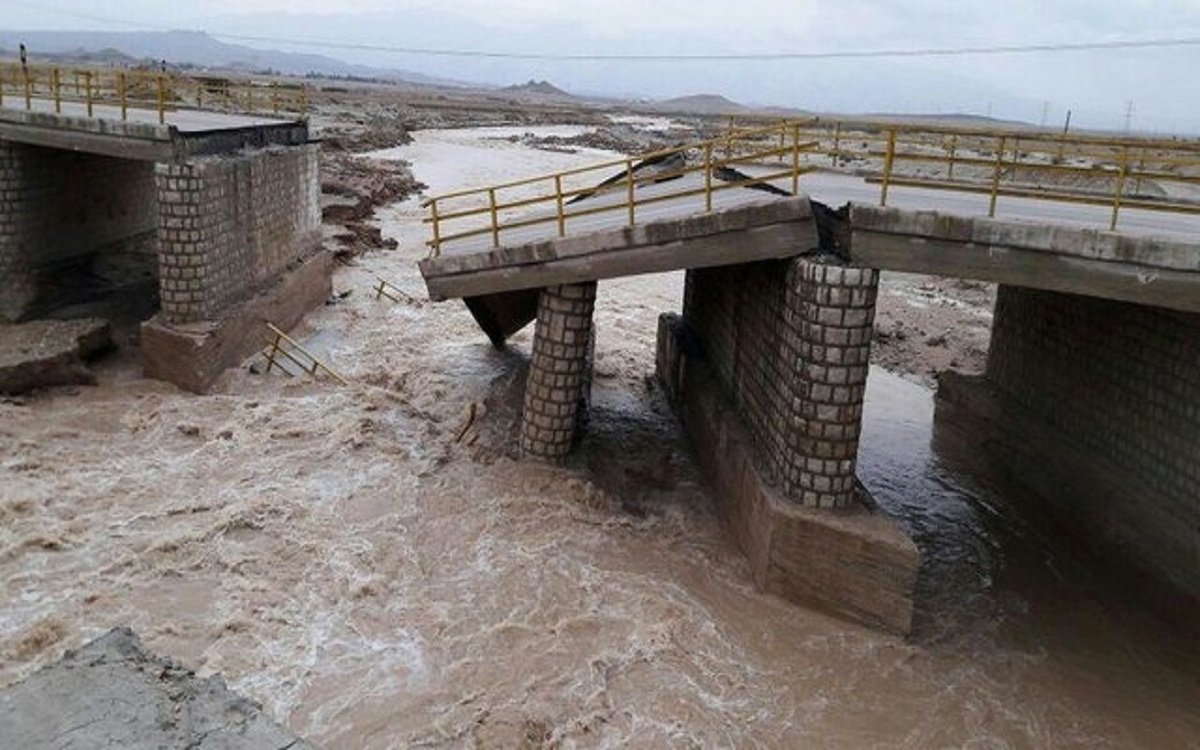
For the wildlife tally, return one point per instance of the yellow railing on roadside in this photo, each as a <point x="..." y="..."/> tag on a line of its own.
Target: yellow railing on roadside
<point x="1081" y="168"/>
<point x="497" y="209"/>
<point x="1113" y="171"/>
<point x="119" y="90"/>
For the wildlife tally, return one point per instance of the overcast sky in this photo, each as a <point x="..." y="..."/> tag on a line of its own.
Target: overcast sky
<point x="1098" y="84"/>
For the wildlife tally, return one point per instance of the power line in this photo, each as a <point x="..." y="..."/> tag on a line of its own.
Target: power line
<point x="1163" y="42"/>
<point x="727" y="57"/>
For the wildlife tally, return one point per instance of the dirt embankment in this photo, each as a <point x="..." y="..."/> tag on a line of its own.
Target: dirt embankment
<point x="927" y="324"/>
<point x="619" y="137"/>
<point x="353" y="186"/>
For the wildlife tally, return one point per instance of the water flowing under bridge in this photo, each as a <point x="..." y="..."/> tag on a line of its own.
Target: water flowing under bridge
<point x="1095" y="355"/>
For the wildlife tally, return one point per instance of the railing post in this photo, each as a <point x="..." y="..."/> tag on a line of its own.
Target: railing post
<point x="837" y="144"/>
<point x="996" y="176"/>
<point x="558" y="200"/>
<point x="161" y="96"/>
<point x="782" y="141"/>
<point x="953" y="151"/>
<point x="303" y="98"/>
<point x="87" y="83"/>
<point x="275" y="97"/>
<point x="271" y="355"/>
<point x="708" y="176"/>
<point x="795" y="158"/>
<point x="56" y="84"/>
<point x="123" y="93"/>
<point x="1121" y="175"/>
<point x="28" y="88"/>
<point x="888" y="159"/>
<point x="437" y="234"/>
<point x="629" y="173"/>
<point x="495" y="219"/>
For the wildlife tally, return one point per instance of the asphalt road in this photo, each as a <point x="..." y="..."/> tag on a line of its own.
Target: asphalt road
<point x="832" y="189"/>
<point x="184" y="120"/>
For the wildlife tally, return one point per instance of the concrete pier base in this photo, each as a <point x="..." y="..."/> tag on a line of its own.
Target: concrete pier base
<point x="192" y="355"/>
<point x="559" y="375"/>
<point x="851" y="561"/>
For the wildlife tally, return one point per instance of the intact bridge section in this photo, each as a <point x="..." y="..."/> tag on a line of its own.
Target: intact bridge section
<point x="205" y="223"/>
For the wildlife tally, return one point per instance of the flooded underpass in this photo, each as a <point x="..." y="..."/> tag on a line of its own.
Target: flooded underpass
<point x="377" y="569"/>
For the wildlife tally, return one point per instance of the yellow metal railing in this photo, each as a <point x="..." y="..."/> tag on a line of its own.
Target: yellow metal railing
<point x="1068" y="168"/>
<point x="492" y="211"/>
<point x="44" y="87"/>
<point x="285" y="347"/>
<point x="387" y="289"/>
<point x="1115" y="172"/>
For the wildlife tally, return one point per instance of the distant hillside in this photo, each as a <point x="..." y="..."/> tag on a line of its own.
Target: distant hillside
<point x="700" y="104"/>
<point x="951" y="118"/>
<point x="541" y="89"/>
<point x="187" y="48"/>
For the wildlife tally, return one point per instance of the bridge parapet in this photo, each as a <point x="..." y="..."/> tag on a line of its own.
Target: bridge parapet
<point x="125" y="92"/>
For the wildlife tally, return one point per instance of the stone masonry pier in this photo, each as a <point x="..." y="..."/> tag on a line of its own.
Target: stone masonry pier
<point x="213" y="221"/>
<point x="1091" y="381"/>
<point x="767" y="368"/>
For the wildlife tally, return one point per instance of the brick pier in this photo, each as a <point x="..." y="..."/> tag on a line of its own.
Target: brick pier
<point x="767" y="369"/>
<point x="559" y="376"/>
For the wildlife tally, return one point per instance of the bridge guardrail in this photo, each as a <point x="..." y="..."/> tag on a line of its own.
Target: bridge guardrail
<point x="1058" y="167"/>
<point x="494" y="210"/>
<point x="145" y="89"/>
<point x="1118" y="172"/>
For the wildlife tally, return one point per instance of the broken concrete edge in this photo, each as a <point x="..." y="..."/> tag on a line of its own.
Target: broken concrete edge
<point x="193" y="355"/>
<point x="1090" y="244"/>
<point x="653" y="233"/>
<point x="856" y="564"/>
<point x="46" y="353"/>
<point x="1080" y="497"/>
<point x="767" y="242"/>
<point x="112" y="693"/>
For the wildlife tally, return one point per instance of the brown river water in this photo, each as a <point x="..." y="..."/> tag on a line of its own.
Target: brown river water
<point x="339" y="555"/>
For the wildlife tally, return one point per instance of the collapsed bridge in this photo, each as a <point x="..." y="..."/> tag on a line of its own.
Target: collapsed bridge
<point x="1094" y="358"/>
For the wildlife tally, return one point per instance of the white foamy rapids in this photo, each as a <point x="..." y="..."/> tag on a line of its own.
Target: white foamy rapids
<point x="343" y="556"/>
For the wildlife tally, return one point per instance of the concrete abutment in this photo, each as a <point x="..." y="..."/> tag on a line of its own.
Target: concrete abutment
<point x="214" y="243"/>
<point x="1095" y="405"/>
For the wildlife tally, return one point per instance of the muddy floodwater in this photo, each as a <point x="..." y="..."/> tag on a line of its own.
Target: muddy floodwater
<point x="379" y="574"/>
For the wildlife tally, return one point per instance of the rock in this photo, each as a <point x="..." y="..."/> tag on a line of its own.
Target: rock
<point x="50" y="352"/>
<point x="111" y="693"/>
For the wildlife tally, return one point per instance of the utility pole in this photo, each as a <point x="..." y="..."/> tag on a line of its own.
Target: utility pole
<point x="1128" y="116"/>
